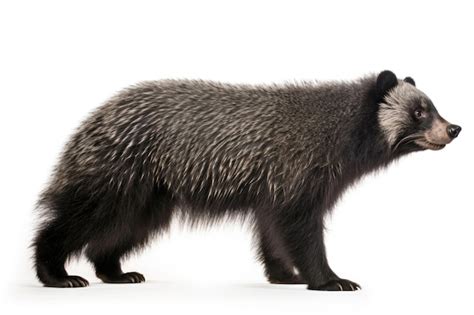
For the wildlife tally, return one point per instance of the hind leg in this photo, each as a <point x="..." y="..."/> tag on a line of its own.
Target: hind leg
<point x="108" y="267"/>
<point x="54" y="243"/>
<point x="128" y="235"/>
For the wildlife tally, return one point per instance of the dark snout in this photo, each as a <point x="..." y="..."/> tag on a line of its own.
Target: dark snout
<point x="453" y="131"/>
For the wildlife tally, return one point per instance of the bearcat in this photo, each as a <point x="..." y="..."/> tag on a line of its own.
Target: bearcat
<point x="281" y="155"/>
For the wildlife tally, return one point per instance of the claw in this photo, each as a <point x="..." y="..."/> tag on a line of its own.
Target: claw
<point x="129" y="277"/>
<point x="67" y="282"/>
<point x="337" y="285"/>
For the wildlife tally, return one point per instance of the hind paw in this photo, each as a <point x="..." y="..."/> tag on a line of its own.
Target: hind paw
<point x="337" y="285"/>
<point x="128" y="277"/>
<point x="68" y="282"/>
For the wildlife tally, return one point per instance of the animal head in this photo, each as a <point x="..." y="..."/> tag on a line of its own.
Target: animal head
<point x="408" y="118"/>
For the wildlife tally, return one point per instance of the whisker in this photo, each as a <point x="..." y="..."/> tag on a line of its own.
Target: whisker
<point x="407" y="139"/>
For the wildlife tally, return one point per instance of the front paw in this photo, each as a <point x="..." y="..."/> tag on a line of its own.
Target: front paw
<point x="290" y="279"/>
<point x="337" y="285"/>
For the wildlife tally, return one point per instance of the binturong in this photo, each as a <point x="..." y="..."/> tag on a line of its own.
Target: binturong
<point x="279" y="156"/>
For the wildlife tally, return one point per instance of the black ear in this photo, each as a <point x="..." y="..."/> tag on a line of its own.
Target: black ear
<point x="410" y="80"/>
<point x="386" y="81"/>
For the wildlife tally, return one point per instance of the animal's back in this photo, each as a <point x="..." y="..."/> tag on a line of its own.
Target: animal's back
<point x="202" y="140"/>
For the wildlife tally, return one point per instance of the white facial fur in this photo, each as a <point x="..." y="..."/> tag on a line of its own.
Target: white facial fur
<point x="395" y="113"/>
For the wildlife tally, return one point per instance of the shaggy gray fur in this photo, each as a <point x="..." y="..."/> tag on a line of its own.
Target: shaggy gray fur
<point x="185" y="133"/>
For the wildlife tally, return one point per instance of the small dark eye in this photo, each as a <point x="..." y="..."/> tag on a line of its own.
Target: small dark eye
<point x="419" y="114"/>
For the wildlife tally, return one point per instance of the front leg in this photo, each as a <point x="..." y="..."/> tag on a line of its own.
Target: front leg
<point x="278" y="267"/>
<point x="302" y="230"/>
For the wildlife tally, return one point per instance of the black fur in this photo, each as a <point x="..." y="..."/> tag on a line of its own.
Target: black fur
<point x="386" y="81"/>
<point x="410" y="80"/>
<point x="282" y="155"/>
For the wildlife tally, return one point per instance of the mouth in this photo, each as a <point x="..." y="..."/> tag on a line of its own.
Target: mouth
<point x="425" y="144"/>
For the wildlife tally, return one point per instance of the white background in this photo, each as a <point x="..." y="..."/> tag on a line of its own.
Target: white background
<point x="404" y="234"/>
